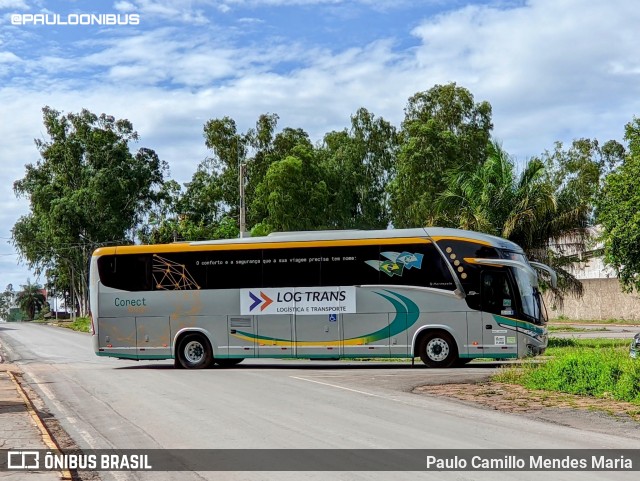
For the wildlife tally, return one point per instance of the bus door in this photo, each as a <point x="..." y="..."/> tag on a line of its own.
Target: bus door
<point x="154" y="337"/>
<point x="317" y="335"/>
<point x="498" y="301"/>
<point x="275" y="335"/>
<point x="242" y="332"/>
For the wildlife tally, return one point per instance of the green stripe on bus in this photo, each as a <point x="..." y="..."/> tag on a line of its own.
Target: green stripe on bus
<point x="506" y="321"/>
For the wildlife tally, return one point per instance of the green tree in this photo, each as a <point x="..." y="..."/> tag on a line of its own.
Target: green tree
<point x="211" y="200"/>
<point x="577" y="173"/>
<point x="218" y="176"/>
<point x="7" y="300"/>
<point x="444" y="129"/>
<point x="294" y="193"/>
<point x="31" y="299"/>
<point x="87" y="189"/>
<point x="280" y="147"/>
<point x="359" y="163"/>
<point x="213" y="194"/>
<point x="526" y="208"/>
<point x="162" y="219"/>
<point x="208" y="206"/>
<point x="619" y="213"/>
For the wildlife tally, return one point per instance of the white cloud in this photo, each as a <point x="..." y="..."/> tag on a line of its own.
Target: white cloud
<point x="8" y="57"/>
<point x="172" y="10"/>
<point x="292" y="3"/>
<point x="550" y="69"/>
<point x="281" y="3"/>
<point x="250" y="20"/>
<point x="124" y="6"/>
<point x="376" y="5"/>
<point x="13" y="5"/>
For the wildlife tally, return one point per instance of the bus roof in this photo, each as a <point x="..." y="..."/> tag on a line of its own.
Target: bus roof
<point x="321" y="237"/>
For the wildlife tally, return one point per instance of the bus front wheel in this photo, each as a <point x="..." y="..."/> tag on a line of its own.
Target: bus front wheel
<point x="438" y="349"/>
<point x="194" y="352"/>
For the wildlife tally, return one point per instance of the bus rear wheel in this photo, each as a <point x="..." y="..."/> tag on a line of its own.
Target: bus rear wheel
<point x="228" y="362"/>
<point x="438" y="349"/>
<point x="194" y="352"/>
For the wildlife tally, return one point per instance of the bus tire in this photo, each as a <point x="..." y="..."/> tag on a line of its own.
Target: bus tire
<point x="438" y="349"/>
<point x="194" y="352"/>
<point x="228" y="362"/>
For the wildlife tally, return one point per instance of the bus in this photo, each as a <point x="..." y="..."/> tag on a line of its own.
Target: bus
<point x="444" y="295"/>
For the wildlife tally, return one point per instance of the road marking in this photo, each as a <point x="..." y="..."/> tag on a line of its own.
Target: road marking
<point x="348" y="389"/>
<point x="413" y="401"/>
<point x="336" y="386"/>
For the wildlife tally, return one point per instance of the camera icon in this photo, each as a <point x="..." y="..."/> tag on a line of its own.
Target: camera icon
<point x="23" y="460"/>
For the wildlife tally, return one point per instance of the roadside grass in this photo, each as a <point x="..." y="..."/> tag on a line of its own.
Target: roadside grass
<point x="574" y="329"/>
<point x="566" y="320"/>
<point x="81" y="324"/>
<point x="590" y="367"/>
<point x="557" y="345"/>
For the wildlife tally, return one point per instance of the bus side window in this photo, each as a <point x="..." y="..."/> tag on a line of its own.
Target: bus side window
<point x="496" y="293"/>
<point x="134" y="272"/>
<point x="127" y="272"/>
<point x="348" y="265"/>
<point x="294" y="267"/>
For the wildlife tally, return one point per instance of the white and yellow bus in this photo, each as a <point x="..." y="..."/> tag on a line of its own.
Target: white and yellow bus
<point x="444" y="295"/>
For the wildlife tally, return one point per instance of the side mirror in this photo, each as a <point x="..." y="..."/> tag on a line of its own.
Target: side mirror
<point x="548" y="270"/>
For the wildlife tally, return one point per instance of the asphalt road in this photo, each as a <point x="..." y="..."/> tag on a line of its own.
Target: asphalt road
<point x="107" y="403"/>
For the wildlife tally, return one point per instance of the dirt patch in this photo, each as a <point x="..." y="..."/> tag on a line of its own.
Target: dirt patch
<point x="583" y="412"/>
<point x="516" y="399"/>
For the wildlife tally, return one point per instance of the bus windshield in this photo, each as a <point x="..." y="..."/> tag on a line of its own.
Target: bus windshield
<point x="529" y="295"/>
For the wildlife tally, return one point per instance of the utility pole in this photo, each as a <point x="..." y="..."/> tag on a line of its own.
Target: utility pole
<point x="243" y="222"/>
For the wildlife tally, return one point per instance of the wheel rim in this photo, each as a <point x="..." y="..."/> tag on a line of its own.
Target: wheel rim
<point x="194" y="352"/>
<point x="437" y="349"/>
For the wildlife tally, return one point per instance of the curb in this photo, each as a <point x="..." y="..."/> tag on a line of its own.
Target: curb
<point x="46" y="435"/>
<point x="44" y="432"/>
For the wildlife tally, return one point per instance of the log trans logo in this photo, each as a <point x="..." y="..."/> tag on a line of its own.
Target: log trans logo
<point x="263" y="301"/>
<point x="298" y="300"/>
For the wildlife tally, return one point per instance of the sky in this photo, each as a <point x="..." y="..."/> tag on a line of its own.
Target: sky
<point x="553" y="70"/>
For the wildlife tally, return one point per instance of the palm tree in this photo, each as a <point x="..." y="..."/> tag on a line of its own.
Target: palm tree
<point x="30" y="299"/>
<point x="526" y="209"/>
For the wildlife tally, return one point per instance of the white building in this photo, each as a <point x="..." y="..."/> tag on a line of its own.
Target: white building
<point x="603" y="297"/>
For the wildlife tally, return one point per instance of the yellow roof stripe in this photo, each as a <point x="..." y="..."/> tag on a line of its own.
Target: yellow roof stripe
<point x="464" y="239"/>
<point x="231" y="246"/>
<point x="185" y="247"/>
